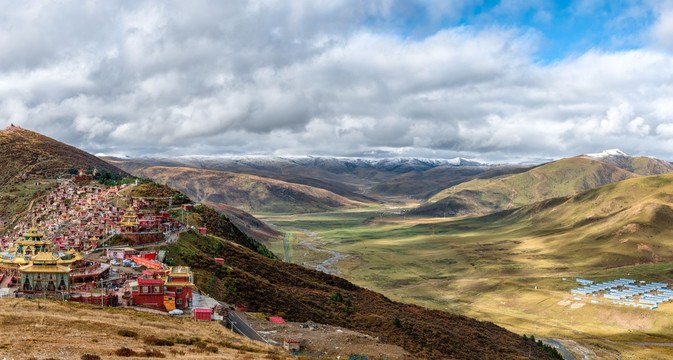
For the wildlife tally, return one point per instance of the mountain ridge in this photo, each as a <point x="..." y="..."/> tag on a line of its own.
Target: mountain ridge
<point x="558" y="178"/>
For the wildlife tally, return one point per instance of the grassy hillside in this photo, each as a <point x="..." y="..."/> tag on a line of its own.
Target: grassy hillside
<point x="424" y="184"/>
<point x="640" y="165"/>
<point x="247" y="192"/>
<point x="301" y="294"/>
<point x="559" y="178"/>
<point x="27" y="154"/>
<point x="29" y="162"/>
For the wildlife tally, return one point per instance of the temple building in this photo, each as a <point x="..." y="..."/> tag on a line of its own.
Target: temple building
<point x="44" y="275"/>
<point x="32" y="243"/>
<point x="129" y="220"/>
<point x="178" y="288"/>
<point x="164" y="288"/>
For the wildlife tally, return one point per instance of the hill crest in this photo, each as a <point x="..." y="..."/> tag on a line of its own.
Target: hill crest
<point x="25" y="153"/>
<point x="563" y="177"/>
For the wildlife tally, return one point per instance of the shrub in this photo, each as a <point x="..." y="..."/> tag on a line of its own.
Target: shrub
<point x="90" y="357"/>
<point x="189" y="341"/>
<point x="154" y="353"/>
<point x="151" y="340"/>
<point x="212" y="349"/>
<point x="127" y="333"/>
<point x="397" y="322"/>
<point x="337" y="297"/>
<point x="126" y="352"/>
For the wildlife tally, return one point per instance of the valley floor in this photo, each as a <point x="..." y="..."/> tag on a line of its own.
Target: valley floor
<point x="509" y="275"/>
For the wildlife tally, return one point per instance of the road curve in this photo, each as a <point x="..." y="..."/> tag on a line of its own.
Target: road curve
<point x="239" y="325"/>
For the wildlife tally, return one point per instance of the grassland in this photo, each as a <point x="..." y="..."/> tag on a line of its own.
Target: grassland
<point x="68" y="331"/>
<point x="508" y="267"/>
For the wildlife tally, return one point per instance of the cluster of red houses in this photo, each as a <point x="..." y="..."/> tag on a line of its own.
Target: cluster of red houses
<point x="78" y="218"/>
<point x="75" y="218"/>
<point x="167" y="289"/>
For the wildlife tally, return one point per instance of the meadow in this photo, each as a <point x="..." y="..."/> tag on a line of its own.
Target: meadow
<point x="508" y="268"/>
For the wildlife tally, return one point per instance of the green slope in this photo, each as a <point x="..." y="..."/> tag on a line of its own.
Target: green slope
<point x="559" y="178"/>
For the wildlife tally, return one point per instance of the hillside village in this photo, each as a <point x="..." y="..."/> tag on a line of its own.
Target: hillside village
<point x="60" y="249"/>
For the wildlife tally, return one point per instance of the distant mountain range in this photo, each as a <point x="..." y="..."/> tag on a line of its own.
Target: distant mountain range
<point x="452" y="187"/>
<point x="301" y="184"/>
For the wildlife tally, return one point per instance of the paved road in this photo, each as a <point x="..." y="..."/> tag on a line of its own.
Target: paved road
<point x="286" y="246"/>
<point x="240" y="326"/>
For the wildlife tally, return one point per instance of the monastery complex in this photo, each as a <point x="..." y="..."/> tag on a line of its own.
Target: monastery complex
<point x="60" y="249"/>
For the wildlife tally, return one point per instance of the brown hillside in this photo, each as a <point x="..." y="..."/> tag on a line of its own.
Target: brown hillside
<point x="247" y="192"/>
<point x="24" y="153"/>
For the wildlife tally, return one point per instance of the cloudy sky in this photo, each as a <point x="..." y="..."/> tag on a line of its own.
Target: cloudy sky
<point x="489" y="80"/>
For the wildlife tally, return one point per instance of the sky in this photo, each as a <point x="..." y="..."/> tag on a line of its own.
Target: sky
<point x="499" y="81"/>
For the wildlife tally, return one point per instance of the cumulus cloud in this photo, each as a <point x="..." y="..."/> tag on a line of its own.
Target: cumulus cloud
<point x="331" y="78"/>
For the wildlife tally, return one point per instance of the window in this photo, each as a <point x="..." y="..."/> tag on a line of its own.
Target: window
<point x="145" y="289"/>
<point x="157" y="289"/>
<point x="178" y="290"/>
<point x="178" y="301"/>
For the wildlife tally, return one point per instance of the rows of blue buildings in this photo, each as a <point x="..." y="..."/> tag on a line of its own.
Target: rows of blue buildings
<point x="625" y="292"/>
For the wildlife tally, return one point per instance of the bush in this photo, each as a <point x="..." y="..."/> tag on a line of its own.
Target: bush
<point x="127" y="333"/>
<point x="337" y="297"/>
<point x="397" y="323"/>
<point x="212" y="349"/>
<point x="90" y="357"/>
<point x="126" y="352"/>
<point x="189" y="341"/>
<point x="151" y="340"/>
<point x="154" y="353"/>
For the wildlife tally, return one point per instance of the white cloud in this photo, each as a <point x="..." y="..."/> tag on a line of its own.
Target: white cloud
<point x="304" y="77"/>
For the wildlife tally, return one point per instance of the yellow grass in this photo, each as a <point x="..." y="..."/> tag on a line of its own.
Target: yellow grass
<point x="68" y="330"/>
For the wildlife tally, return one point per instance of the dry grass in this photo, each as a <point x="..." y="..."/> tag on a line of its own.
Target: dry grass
<point x="69" y="331"/>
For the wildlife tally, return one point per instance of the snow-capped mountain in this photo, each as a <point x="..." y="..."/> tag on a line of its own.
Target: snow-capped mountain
<point x="607" y="153"/>
<point x="331" y="163"/>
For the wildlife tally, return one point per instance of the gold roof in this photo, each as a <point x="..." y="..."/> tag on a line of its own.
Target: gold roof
<point x="20" y="260"/>
<point x="32" y="232"/>
<point x="75" y="258"/>
<point x="44" y="257"/>
<point x="32" y="268"/>
<point x="33" y="242"/>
